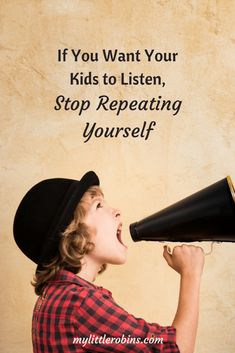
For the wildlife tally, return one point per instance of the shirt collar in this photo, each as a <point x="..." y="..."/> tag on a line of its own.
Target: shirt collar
<point x="66" y="276"/>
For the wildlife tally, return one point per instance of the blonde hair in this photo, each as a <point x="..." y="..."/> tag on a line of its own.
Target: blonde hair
<point x="75" y="242"/>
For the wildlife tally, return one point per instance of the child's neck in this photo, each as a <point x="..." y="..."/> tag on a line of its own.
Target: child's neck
<point x="89" y="270"/>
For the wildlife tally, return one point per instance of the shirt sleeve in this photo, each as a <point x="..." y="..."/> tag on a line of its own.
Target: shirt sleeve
<point x="106" y="327"/>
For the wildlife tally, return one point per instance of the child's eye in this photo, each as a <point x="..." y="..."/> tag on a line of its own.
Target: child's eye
<point x="99" y="205"/>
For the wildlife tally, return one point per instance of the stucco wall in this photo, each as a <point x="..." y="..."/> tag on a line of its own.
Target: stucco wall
<point x="184" y="153"/>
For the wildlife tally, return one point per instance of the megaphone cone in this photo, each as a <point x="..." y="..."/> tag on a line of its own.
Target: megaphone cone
<point x="208" y="215"/>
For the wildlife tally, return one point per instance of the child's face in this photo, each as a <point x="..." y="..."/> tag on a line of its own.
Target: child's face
<point x="106" y="222"/>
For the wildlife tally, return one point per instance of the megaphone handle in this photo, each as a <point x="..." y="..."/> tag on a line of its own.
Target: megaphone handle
<point x="212" y="248"/>
<point x="169" y="250"/>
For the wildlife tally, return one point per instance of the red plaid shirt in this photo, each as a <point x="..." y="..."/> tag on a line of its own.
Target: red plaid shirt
<point x="72" y="308"/>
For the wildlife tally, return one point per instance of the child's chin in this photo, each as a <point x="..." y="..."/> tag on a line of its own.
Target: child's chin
<point x="120" y="260"/>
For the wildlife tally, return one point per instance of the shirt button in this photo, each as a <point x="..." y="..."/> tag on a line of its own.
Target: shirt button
<point x="105" y="296"/>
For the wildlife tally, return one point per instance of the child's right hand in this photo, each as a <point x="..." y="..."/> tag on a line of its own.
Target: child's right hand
<point x="185" y="259"/>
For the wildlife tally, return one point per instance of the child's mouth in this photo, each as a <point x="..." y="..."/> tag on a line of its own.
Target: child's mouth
<point x="119" y="234"/>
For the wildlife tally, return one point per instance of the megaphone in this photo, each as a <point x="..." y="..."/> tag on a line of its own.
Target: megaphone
<point x="207" y="215"/>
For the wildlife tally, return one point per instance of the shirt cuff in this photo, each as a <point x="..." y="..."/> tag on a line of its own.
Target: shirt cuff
<point x="165" y="334"/>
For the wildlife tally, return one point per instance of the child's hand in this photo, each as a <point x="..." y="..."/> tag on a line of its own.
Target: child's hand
<point x="185" y="259"/>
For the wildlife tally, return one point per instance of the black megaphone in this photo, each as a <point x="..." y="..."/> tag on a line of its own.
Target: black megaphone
<point x="207" y="215"/>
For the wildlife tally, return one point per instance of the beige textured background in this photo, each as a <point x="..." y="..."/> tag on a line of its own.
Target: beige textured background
<point x="183" y="155"/>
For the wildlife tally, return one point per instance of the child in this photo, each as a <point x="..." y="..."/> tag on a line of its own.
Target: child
<point x="67" y="228"/>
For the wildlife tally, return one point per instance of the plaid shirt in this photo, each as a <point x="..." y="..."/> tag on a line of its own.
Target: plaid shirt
<point x="72" y="308"/>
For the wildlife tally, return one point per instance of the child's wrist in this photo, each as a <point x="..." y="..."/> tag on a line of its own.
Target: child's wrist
<point x="191" y="275"/>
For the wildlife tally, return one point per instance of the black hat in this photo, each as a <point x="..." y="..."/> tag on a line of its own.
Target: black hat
<point x="44" y="213"/>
